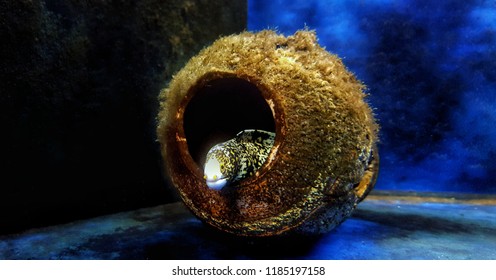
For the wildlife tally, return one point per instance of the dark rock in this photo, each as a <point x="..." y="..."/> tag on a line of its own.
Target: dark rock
<point x="78" y="99"/>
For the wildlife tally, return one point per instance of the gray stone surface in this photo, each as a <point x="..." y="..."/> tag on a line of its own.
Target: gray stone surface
<point x="381" y="228"/>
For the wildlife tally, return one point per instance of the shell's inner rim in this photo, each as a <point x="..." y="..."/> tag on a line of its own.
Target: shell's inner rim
<point x="219" y="110"/>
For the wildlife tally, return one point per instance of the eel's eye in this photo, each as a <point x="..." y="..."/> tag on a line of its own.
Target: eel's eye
<point x="215" y="177"/>
<point x="205" y="177"/>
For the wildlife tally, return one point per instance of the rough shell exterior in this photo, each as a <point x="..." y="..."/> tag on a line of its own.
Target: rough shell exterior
<point x="324" y="160"/>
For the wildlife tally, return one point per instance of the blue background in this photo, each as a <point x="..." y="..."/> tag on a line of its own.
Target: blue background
<point x="430" y="69"/>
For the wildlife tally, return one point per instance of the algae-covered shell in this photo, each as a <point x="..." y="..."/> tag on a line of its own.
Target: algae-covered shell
<point x="324" y="159"/>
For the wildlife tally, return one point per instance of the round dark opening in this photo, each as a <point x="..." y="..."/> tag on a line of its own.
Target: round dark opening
<point x="220" y="109"/>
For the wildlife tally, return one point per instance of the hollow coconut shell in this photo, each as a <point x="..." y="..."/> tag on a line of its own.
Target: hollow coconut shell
<point x="324" y="160"/>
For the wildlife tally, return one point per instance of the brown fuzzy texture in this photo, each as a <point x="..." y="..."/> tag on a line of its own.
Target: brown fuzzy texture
<point x="322" y="122"/>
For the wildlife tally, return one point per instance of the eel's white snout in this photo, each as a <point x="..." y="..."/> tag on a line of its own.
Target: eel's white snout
<point x="217" y="184"/>
<point x="213" y="176"/>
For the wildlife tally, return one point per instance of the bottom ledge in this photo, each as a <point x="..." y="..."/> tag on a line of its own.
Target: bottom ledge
<point x="386" y="226"/>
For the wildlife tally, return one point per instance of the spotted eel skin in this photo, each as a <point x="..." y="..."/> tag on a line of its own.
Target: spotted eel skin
<point x="229" y="162"/>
